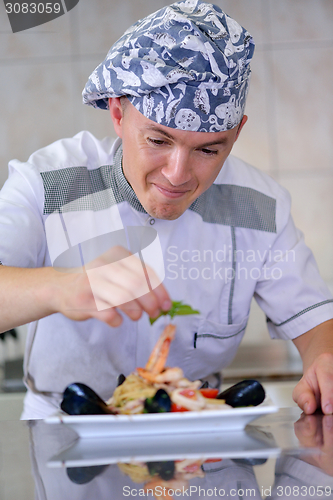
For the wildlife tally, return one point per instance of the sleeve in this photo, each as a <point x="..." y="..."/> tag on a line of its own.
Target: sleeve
<point x="22" y="235"/>
<point x="291" y="291"/>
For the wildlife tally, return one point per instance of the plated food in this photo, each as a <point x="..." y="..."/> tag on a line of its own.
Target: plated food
<point x="157" y="388"/>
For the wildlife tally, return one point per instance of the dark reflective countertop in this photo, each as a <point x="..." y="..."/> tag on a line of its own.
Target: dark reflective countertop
<point x="281" y="455"/>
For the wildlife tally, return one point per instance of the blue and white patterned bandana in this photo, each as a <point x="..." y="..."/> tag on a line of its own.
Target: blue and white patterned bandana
<point x="185" y="66"/>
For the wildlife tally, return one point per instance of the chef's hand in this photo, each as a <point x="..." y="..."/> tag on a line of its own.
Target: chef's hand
<point x="315" y="389"/>
<point x="115" y="281"/>
<point x="316" y="431"/>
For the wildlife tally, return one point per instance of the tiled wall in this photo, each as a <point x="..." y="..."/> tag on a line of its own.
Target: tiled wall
<point x="290" y="106"/>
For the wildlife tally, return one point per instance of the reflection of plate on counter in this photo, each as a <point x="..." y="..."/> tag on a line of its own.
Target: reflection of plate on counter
<point x="225" y="420"/>
<point x="249" y="443"/>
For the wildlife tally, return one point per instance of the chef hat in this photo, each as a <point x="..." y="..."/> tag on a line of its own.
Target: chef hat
<point x="185" y="66"/>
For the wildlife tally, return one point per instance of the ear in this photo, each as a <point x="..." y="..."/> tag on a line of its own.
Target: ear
<point x="116" y="112"/>
<point x="241" y="125"/>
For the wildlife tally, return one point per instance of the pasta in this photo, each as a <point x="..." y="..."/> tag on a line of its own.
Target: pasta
<point x="138" y="472"/>
<point x="130" y="396"/>
<point x="134" y="389"/>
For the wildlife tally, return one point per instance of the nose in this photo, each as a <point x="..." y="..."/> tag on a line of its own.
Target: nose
<point x="178" y="167"/>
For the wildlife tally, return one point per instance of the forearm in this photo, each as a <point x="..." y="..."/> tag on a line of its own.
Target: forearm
<point x="25" y="295"/>
<point x="30" y="294"/>
<point x="315" y="342"/>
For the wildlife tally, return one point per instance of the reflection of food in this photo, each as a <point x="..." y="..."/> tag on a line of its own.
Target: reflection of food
<point x="131" y="395"/>
<point x="137" y="471"/>
<point x="164" y="476"/>
<point x="189" y="468"/>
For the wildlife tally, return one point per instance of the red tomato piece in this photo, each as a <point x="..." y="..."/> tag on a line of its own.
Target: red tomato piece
<point x="175" y="407"/>
<point x="209" y="393"/>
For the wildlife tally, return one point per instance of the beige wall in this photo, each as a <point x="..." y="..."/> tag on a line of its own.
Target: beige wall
<point x="290" y="128"/>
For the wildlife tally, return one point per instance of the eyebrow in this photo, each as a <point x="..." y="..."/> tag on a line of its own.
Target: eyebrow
<point x="169" y="136"/>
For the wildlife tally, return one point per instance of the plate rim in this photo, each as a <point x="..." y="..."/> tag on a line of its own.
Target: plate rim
<point x="60" y="417"/>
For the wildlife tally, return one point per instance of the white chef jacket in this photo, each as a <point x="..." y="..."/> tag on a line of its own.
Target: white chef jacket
<point x="70" y="201"/>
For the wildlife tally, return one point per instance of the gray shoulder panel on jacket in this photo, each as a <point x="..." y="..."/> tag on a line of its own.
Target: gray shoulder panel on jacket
<point x="237" y="206"/>
<point x="75" y="184"/>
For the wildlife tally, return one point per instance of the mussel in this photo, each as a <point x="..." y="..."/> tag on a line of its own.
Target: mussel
<point x="166" y="470"/>
<point x="250" y="461"/>
<point x="79" y="399"/>
<point x="159" y="403"/>
<point x="121" y="379"/>
<point x="83" y="475"/>
<point x="245" y="393"/>
<point x="204" y="385"/>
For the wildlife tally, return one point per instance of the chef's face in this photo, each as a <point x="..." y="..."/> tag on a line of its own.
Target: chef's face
<point x="168" y="168"/>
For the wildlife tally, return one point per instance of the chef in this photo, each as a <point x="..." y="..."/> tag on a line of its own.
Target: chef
<point x="113" y="231"/>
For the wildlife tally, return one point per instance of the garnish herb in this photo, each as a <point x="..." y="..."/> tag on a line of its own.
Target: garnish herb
<point x="177" y="309"/>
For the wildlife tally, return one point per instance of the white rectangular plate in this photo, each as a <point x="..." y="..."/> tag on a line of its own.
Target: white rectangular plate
<point x="224" y="420"/>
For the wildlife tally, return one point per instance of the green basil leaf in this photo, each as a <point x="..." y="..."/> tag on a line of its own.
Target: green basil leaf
<point x="177" y="309"/>
<point x="152" y="320"/>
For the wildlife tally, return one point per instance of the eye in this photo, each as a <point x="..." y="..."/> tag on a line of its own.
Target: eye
<point x="156" y="142"/>
<point x="210" y="152"/>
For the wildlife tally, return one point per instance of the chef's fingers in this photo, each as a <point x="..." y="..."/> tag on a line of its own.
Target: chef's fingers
<point x="305" y="397"/>
<point x="113" y="318"/>
<point x="126" y="280"/>
<point x="315" y="389"/>
<point x="323" y="368"/>
<point x="163" y="298"/>
<point x="154" y="302"/>
<point x="147" y="293"/>
<point x="110" y="316"/>
<point x="114" y="282"/>
<point x="131" y="295"/>
<point x="144" y="284"/>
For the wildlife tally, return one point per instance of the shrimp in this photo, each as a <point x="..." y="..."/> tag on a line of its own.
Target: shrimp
<point x="169" y="375"/>
<point x="158" y="357"/>
<point x="165" y="486"/>
<point x="155" y="371"/>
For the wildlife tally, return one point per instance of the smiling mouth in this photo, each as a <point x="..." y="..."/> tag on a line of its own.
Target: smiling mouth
<point x="171" y="193"/>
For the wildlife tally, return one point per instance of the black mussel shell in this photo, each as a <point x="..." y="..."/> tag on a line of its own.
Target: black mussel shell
<point x="205" y="385"/>
<point x="83" y="475"/>
<point x="245" y="393"/>
<point x="121" y="379"/>
<point x="79" y="399"/>
<point x="160" y="403"/>
<point x="166" y="470"/>
<point x="249" y="461"/>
